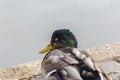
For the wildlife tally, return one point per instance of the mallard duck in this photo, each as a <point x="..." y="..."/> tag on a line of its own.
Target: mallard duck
<point x="64" y="61"/>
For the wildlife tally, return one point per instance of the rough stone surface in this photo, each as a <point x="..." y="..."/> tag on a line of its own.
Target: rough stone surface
<point x="22" y="71"/>
<point x="106" y="52"/>
<point x="112" y="68"/>
<point x="107" y="56"/>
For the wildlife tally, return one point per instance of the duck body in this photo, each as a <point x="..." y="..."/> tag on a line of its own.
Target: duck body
<point x="70" y="64"/>
<point x="64" y="61"/>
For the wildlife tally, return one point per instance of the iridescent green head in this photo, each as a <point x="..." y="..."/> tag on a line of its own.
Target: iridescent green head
<point x="63" y="38"/>
<point x="60" y="39"/>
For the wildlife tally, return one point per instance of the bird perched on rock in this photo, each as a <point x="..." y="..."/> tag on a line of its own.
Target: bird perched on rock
<point x="64" y="61"/>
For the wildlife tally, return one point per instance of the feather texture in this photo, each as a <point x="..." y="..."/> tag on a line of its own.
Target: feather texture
<point x="70" y="64"/>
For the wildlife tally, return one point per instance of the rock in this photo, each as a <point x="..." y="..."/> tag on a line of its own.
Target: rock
<point x="107" y="56"/>
<point x="112" y="68"/>
<point x="22" y="71"/>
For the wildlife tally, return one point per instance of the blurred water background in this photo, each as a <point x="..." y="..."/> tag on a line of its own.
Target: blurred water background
<point x="27" y="25"/>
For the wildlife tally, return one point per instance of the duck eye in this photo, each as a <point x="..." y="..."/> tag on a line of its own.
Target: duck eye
<point x="56" y="39"/>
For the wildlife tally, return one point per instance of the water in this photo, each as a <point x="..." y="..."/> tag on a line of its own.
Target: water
<point x="26" y="26"/>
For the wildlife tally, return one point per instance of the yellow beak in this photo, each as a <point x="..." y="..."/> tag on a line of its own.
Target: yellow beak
<point x="47" y="48"/>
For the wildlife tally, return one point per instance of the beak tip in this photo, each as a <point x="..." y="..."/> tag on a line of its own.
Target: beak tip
<point x="40" y="52"/>
<point x="47" y="48"/>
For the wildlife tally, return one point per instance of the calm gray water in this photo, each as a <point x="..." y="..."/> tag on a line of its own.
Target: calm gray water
<point x="27" y="25"/>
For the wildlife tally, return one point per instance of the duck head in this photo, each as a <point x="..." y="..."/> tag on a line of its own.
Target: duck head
<point x="61" y="38"/>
